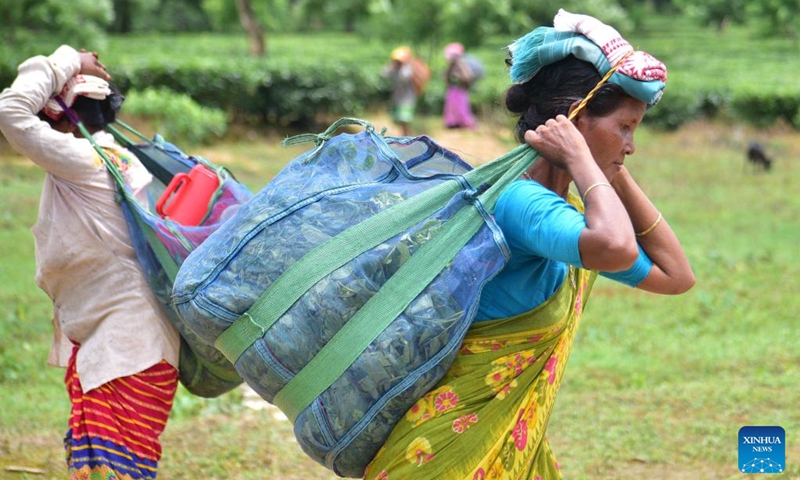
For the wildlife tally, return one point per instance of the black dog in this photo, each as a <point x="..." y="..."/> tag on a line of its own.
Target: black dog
<point x="757" y="156"/>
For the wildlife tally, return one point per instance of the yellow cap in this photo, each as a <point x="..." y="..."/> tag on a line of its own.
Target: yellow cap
<point x="401" y="54"/>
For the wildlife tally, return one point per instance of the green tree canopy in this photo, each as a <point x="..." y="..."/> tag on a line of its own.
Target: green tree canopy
<point x="78" y="22"/>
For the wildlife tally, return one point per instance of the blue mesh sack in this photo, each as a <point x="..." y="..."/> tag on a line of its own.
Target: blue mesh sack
<point x="162" y="245"/>
<point x="343" y="289"/>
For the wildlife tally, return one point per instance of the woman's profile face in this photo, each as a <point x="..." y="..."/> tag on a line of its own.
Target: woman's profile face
<point x="610" y="138"/>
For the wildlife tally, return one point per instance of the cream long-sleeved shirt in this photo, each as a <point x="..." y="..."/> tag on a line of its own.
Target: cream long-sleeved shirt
<point x="84" y="258"/>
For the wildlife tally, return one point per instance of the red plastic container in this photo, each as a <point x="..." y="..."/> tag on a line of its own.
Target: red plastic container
<point x="186" y="198"/>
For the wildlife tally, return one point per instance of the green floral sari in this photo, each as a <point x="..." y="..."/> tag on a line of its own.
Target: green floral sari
<point x="486" y="419"/>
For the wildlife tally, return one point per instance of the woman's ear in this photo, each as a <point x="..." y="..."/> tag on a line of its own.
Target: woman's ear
<point x="573" y="107"/>
<point x="74" y="130"/>
<point x="63" y="125"/>
<point x="580" y="118"/>
<point x="66" y="126"/>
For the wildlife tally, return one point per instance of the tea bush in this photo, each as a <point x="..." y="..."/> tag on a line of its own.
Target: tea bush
<point x="275" y="92"/>
<point x="340" y="75"/>
<point x="176" y="116"/>
<point x="736" y="74"/>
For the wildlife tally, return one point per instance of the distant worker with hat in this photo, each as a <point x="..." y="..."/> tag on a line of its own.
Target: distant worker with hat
<point x="409" y="76"/>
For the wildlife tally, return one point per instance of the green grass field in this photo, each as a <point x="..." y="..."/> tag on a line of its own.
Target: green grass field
<point x="657" y="387"/>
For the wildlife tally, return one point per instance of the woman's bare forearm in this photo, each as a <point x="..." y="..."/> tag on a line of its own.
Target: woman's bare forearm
<point x="671" y="273"/>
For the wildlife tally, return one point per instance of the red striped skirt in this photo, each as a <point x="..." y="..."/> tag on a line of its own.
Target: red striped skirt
<point x="114" y="429"/>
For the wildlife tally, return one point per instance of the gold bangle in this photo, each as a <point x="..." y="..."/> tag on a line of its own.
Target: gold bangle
<point x="598" y="184"/>
<point x="651" y="227"/>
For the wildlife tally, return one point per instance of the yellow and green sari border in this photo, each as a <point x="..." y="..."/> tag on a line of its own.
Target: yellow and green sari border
<point x="488" y="416"/>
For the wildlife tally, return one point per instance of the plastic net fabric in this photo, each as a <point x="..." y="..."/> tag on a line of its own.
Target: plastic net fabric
<point x="162" y="245"/>
<point x="320" y="194"/>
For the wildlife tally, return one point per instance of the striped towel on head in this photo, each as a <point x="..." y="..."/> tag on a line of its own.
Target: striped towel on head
<point x="641" y="75"/>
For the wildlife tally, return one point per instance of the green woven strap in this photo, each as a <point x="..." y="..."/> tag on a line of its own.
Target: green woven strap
<point x="122" y="138"/>
<point x="119" y="136"/>
<point x="499" y="173"/>
<point x="169" y="264"/>
<point x="324" y="259"/>
<point x="378" y="312"/>
<point x="319" y="139"/>
<point x="188" y="354"/>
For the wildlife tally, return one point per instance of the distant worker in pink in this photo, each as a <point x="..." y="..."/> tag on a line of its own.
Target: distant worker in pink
<point x="461" y="74"/>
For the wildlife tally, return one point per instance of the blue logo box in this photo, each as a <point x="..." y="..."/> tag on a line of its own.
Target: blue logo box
<point x="762" y="450"/>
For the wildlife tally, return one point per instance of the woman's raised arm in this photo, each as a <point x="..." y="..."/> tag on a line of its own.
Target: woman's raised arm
<point x="671" y="273"/>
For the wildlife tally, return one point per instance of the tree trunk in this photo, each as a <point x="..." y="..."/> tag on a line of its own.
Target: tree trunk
<point x="123" y="16"/>
<point x="250" y="23"/>
<point x="9" y="17"/>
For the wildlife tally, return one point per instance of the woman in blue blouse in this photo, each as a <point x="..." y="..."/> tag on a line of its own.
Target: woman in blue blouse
<point x="580" y="91"/>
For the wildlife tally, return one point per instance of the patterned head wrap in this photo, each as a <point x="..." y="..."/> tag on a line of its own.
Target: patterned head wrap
<point x="640" y="75"/>
<point x="83" y="85"/>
